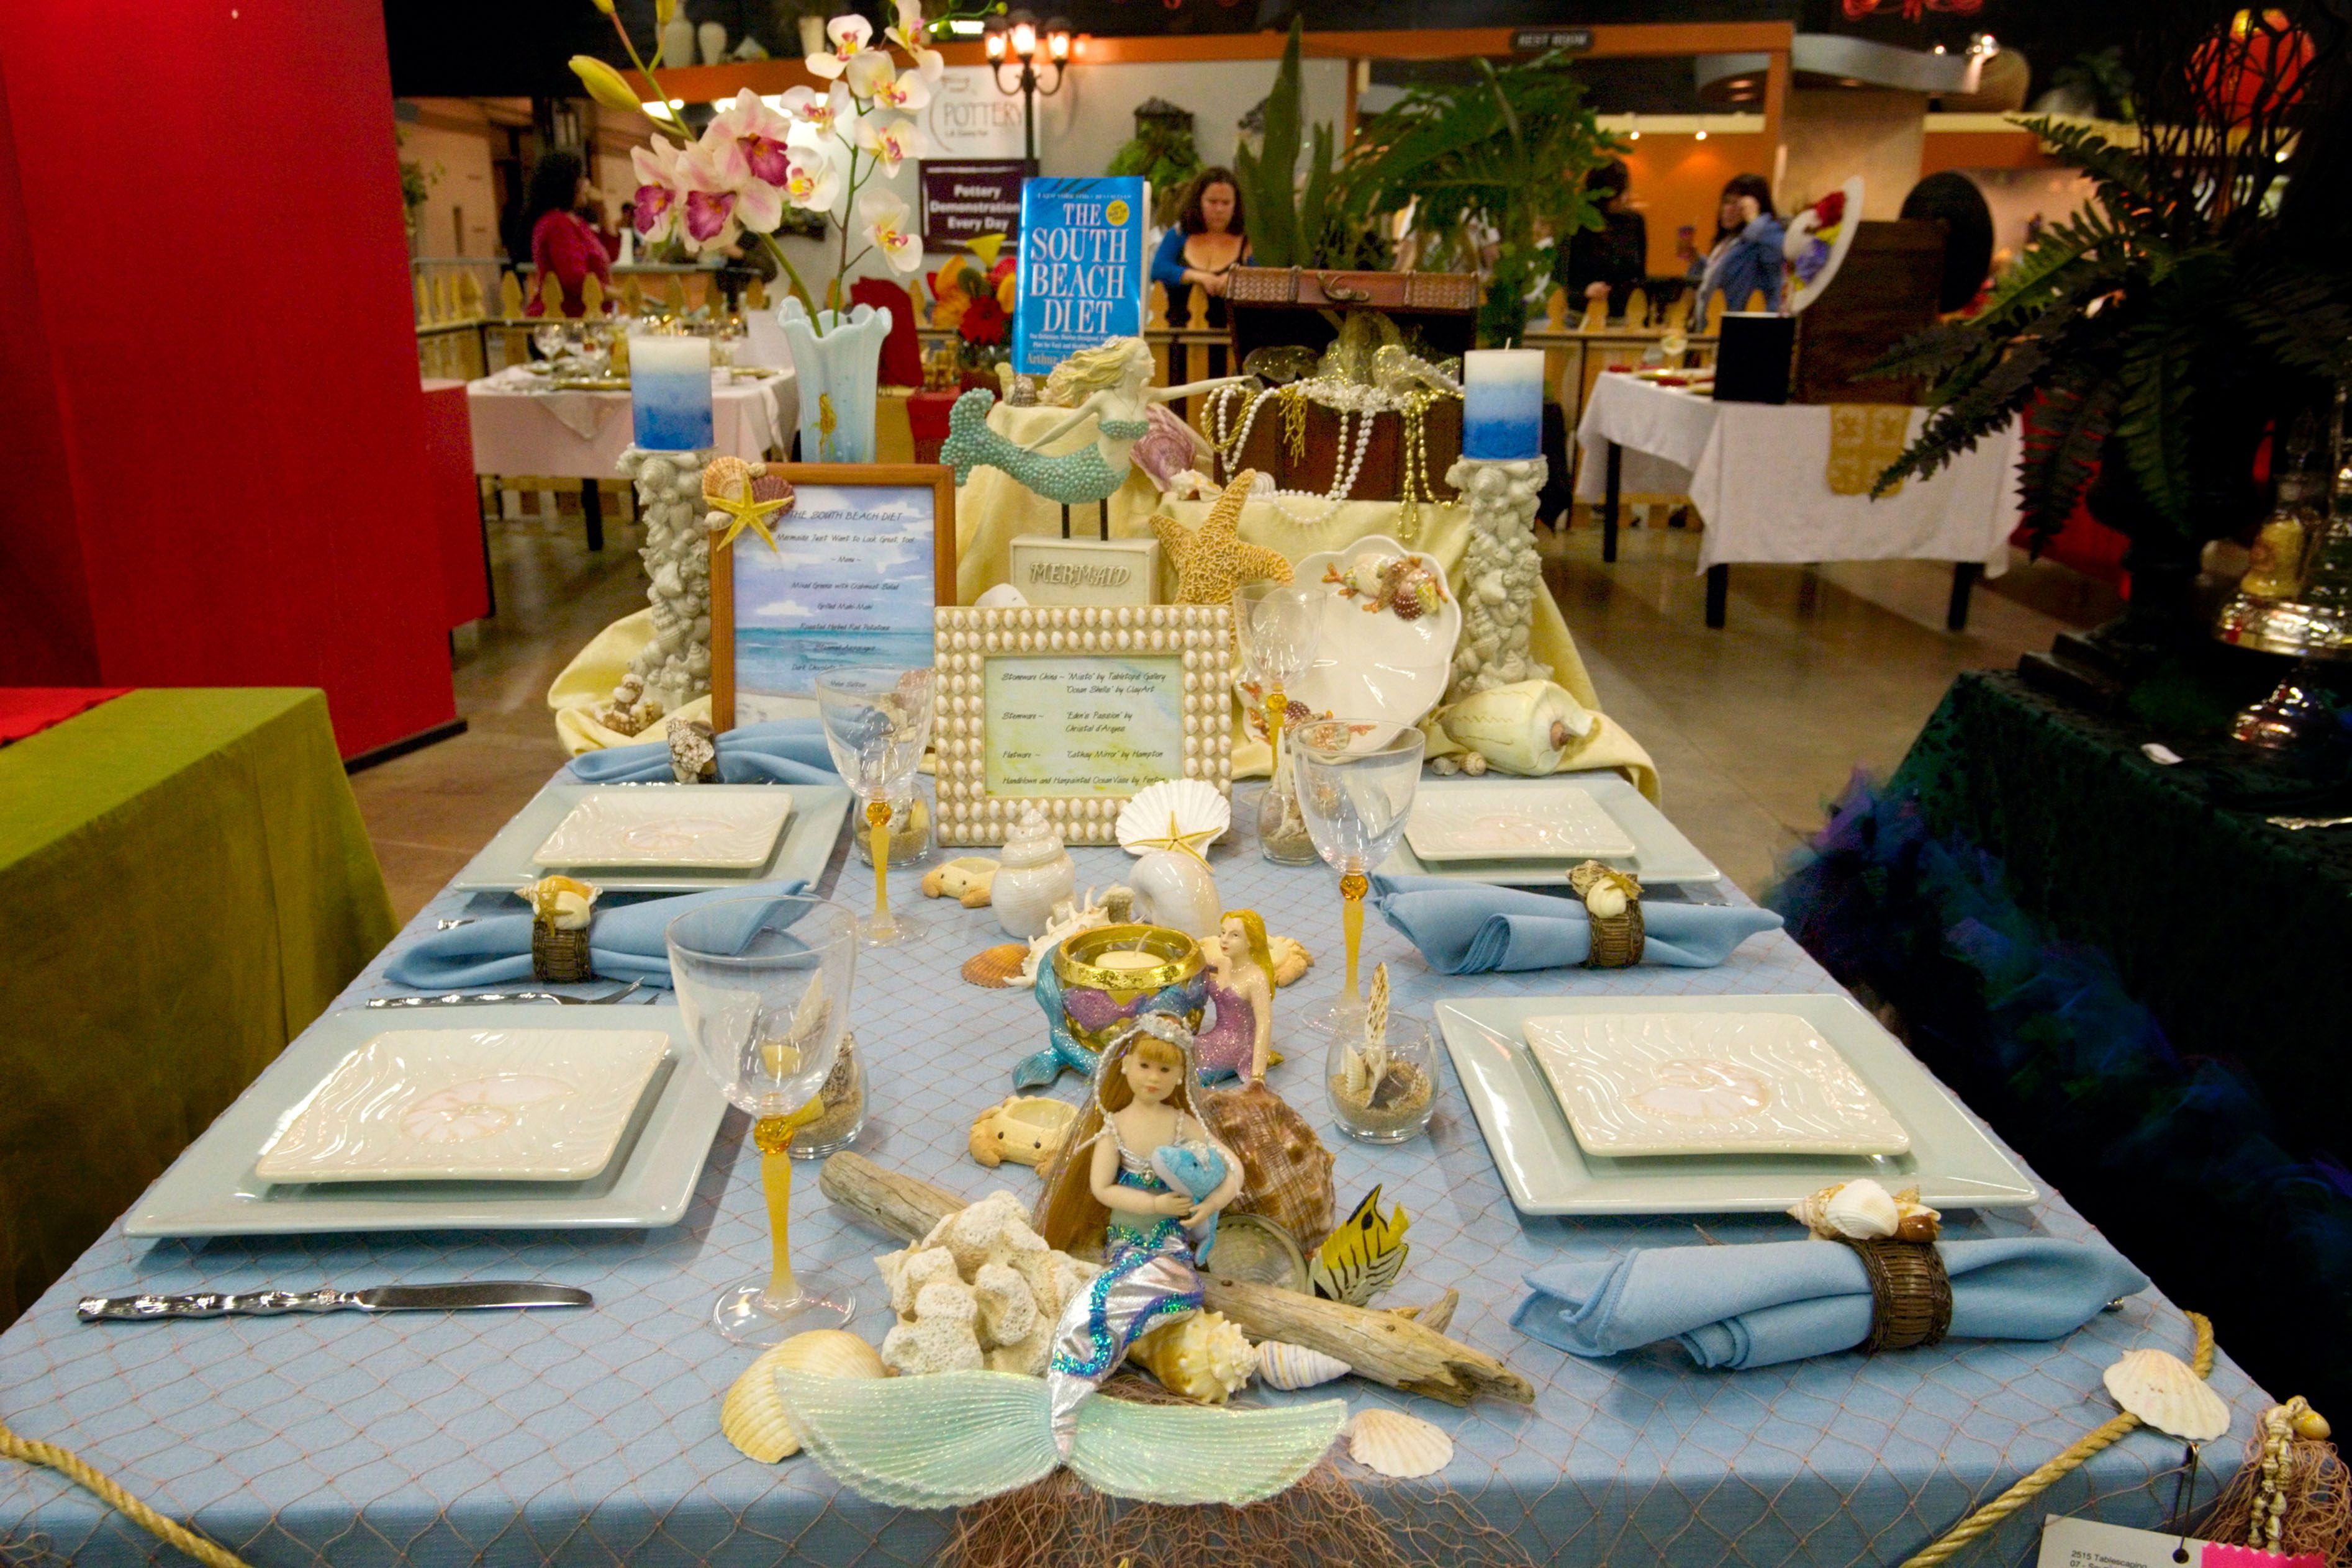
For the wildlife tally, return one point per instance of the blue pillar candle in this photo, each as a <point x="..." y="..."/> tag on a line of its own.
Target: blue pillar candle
<point x="1502" y="404"/>
<point x="669" y="392"/>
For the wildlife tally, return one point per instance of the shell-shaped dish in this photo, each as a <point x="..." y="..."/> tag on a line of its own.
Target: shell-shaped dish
<point x="1202" y="1357"/>
<point x="1283" y="1365"/>
<point x="1396" y="1445"/>
<point x="1175" y="813"/>
<point x="2165" y="1391"/>
<point x="752" y="1416"/>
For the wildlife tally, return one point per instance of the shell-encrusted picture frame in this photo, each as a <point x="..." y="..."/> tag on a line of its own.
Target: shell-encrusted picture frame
<point x="1073" y="709"/>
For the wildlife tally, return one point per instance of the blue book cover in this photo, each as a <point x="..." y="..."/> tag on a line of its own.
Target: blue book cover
<point x="1082" y="267"/>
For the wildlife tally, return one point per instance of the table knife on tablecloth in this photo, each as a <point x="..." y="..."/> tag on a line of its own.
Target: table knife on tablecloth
<point x="461" y="1297"/>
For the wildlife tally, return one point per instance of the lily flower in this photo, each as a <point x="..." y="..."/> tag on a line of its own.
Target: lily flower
<point x="657" y="196"/>
<point x="911" y="35"/>
<point x="722" y="199"/>
<point x="903" y="93"/>
<point x="884" y="216"/>
<point x="890" y="145"/>
<point x="850" y="35"/>
<point x="759" y="131"/>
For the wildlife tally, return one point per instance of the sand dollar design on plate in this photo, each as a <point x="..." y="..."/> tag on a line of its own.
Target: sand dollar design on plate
<point x="479" y="1108"/>
<point x="1704" y="1091"/>
<point x="680" y="834"/>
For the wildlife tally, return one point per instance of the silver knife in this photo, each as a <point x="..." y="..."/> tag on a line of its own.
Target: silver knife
<point x="468" y="998"/>
<point x="382" y="1298"/>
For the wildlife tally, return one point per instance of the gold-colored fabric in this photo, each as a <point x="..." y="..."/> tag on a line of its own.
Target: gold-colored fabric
<point x="1864" y="438"/>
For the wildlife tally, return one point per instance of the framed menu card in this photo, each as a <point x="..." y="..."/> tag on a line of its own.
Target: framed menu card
<point x="1071" y="710"/>
<point x="863" y="558"/>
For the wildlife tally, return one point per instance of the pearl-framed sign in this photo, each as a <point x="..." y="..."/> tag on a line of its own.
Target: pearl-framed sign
<point x="1071" y="710"/>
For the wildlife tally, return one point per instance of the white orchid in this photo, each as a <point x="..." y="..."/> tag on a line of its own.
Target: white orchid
<point x="902" y="92"/>
<point x="910" y="34"/>
<point x="812" y="180"/>
<point x="884" y="216"/>
<point x="890" y="145"/>
<point x="850" y="35"/>
<point x="816" y="112"/>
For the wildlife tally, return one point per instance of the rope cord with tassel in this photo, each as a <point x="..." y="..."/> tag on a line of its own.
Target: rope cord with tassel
<point x="77" y="1469"/>
<point x="2068" y="1459"/>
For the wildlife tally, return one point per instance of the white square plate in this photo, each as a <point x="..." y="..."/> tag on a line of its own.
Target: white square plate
<point x="1708" y="1083"/>
<point x="490" y="1104"/>
<point x="213" y="1189"/>
<point x="696" y="827"/>
<point x="812" y="832"/>
<point x="1661" y="853"/>
<point x="1516" y="822"/>
<point x="1953" y="1162"/>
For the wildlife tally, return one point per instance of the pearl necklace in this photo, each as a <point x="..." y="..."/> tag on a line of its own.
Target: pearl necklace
<point x="1229" y="444"/>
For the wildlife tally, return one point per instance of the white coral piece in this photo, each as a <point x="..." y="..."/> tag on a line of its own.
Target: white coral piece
<point x="982" y="1289"/>
<point x="1008" y="1312"/>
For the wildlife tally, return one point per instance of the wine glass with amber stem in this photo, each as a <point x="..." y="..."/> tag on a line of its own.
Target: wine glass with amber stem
<point x="1276" y="625"/>
<point x="876" y="724"/>
<point x="1356" y="779"/>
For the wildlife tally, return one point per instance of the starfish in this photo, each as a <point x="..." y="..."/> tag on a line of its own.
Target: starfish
<point x="1212" y="560"/>
<point x="734" y="474"/>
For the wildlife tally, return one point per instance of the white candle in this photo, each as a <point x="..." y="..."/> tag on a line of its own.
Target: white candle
<point x="1125" y="959"/>
<point x="669" y="392"/>
<point x="1502" y="404"/>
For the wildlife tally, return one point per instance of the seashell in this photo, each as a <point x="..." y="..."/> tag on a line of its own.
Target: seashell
<point x="1291" y="958"/>
<point x="998" y="966"/>
<point x="1201" y="1356"/>
<point x="1004" y="596"/>
<point x="1863" y="1210"/>
<point x="2164" y="1391"/>
<point x="1285" y="1169"/>
<point x="1026" y="1130"/>
<point x="1916" y="1221"/>
<point x="1283" y="1365"/>
<point x="1397" y="1445"/>
<point x="1174" y="814"/>
<point x="752" y="1415"/>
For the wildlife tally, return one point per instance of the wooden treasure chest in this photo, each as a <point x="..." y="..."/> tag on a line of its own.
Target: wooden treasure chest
<point x="1885" y="291"/>
<point x="1307" y="445"/>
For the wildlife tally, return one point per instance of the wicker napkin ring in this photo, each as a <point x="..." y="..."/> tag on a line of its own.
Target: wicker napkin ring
<point x="1910" y="1294"/>
<point x="559" y="958"/>
<point x="1617" y="939"/>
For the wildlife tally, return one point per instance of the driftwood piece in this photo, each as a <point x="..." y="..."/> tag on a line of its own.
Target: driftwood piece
<point x="1437" y="1316"/>
<point x="1386" y="1348"/>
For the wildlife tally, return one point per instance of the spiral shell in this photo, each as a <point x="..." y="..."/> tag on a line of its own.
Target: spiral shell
<point x="1283" y="1365"/>
<point x="1397" y="1445"/>
<point x="2164" y="1391"/>
<point x="1201" y="1357"/>
<point x="752" y="1415"/>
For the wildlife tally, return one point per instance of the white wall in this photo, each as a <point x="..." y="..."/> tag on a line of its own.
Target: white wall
<point x="1836" y="132"/>
<point x="463" y="158"/>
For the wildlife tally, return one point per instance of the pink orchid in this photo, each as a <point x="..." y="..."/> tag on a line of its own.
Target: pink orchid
<point x="885" y="217"/>
<point x="850" y="35"/>
<point x="890" y="145"/>
<point x="906" y="92"/>
<point x="759" y="131"/>
<point x="657" y="196"/>
<point x="722" y="199"/>
<point x="910" y="34"/>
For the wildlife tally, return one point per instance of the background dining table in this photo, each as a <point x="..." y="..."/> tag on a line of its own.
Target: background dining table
<point x="592" y="1437"/>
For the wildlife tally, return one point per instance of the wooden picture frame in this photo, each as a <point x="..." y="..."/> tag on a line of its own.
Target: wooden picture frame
<point x="1158" y="677"/>
<point x="747" y="564"/>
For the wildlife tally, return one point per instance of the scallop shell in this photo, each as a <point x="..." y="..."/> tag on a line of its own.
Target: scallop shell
<point x="2164" y="1391"/>
<point x="1283" y="1365"/>
<point x="1175" y="813"/>
<point x="752" y="1416"/>
<point x="1201" y="1356"/>
<point x="998" y="966"/>
<point x="1398" y="1445"/>
<point x="1290" y="957"/>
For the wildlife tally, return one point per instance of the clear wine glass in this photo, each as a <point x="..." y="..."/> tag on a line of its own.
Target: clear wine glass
<point x="1277" y="625"/>
<point x="764" y="984"/>
<point x="876" y="723"/>
<point x="1356" y="784"/>
<point x="549" y="339"/>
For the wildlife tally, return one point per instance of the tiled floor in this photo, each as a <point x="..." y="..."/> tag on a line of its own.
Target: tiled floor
<point x="1754" y="727"/>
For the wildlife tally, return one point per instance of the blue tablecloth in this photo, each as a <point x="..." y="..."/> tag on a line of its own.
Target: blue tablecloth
<point x="592" y="1437"/>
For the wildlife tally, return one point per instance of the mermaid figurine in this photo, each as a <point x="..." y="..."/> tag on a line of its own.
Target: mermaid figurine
<point x="1239" y="1041"/>
<point x="1109" y="384"/>
<point x="1141" y="1160"/>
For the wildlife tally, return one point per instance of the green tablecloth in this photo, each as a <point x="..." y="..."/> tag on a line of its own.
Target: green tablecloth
<point x="184" y="884"/>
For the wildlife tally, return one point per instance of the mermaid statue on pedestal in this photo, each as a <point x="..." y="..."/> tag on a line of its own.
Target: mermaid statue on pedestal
<point x="1110" y="384"/>
<point x="1239" y="1040"/>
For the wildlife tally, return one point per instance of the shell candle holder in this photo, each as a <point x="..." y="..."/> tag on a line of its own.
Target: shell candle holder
<point x="1612" y="905"/>
<point x="1110" y="973"/>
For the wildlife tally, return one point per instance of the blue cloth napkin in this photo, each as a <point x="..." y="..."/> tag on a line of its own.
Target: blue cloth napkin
<point x="1766" y="1303"/>
<point x="780" y="751"/>
<point x="1475" y="928"/>
<point x="624" y="942"/>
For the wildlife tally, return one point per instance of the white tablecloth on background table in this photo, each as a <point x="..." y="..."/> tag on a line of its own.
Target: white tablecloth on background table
<point x="1758" y="474"/>
<point x="582" y="435"/>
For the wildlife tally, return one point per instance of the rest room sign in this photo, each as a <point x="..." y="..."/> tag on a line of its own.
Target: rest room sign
<point x="1082" y="267"/>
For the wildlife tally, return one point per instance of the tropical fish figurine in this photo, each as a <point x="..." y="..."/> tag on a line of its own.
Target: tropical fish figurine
<point x="1361" y="1258"/>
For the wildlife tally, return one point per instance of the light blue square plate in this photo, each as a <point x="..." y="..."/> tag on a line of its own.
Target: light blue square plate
<point x="801" y="851"/>
<point x="212" y="1190"/>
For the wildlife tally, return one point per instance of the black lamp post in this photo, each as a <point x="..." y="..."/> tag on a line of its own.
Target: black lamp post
<point x="1017" y="40"/>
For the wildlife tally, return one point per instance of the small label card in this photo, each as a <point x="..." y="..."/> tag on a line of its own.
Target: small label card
<point x="1087" y="724"/>
<point x="2087" y="1543"/>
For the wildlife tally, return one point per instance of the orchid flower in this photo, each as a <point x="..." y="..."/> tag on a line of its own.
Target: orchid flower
<point x="910" y="34"/>
<point x="850" y="35"/>
<point x="657" y="196"/>
<point x="885" y="219"/>
<point x="813" y="181"/>
<point x="906" y="92"/>
<point x="890" y="145"/>
<point x="759" y="131"/>
<point x="722" y="198"/>
<point x="868" y="72"/>
<point x="818" y="111"/>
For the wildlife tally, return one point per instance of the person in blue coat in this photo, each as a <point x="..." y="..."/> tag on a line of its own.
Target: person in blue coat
<point x="1746" y="255"/>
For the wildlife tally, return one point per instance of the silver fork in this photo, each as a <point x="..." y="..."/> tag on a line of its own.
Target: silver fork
<point x="461" y="999"/>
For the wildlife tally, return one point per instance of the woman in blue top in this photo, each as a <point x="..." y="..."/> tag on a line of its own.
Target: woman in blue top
<point x="1747" y="254"/>
<point x="1206" y="242"/>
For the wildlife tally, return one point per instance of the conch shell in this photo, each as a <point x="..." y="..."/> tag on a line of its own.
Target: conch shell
<point x="563" y="902"/>
<point x="1397" y="1445"/>
<point x="1863" y="1210"/>
<point x="2164" y="1391"/>
<point x="752" y="1417"/>
<point x="1202" y="1357"/>
<point x="1283" y="1365"/>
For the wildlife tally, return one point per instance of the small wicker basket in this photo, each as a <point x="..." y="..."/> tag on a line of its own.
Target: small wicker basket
<point x="559" y="958"/>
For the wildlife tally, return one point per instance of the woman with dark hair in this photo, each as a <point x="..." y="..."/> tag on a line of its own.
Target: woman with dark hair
<point x="560" y="242"/>
<point x="1746" y="255"/>
<point x="1207" y="242"/>
<point x="1613" y="259"/>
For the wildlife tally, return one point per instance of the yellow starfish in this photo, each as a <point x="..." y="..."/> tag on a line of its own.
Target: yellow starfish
<point x="1212" y="560"/>
<point x="727" y="487"/>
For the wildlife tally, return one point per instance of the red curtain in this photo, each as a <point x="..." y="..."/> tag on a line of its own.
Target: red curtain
<point x="211" y="385"/>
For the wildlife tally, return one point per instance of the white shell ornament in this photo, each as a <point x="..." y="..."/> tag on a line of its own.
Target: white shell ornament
<point x="1201" y="1356"/>
<point x="2165" y="1391"/>
<point x="1283" y="1365"/>
<point x="1174" y="814"/>
<point x="1861" y="1209"/>
<point x="1396" y="1445"/>
<point x="752" y="1416"/>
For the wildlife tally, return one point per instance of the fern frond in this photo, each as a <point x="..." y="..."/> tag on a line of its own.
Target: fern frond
<point x="2062" y="438"/>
